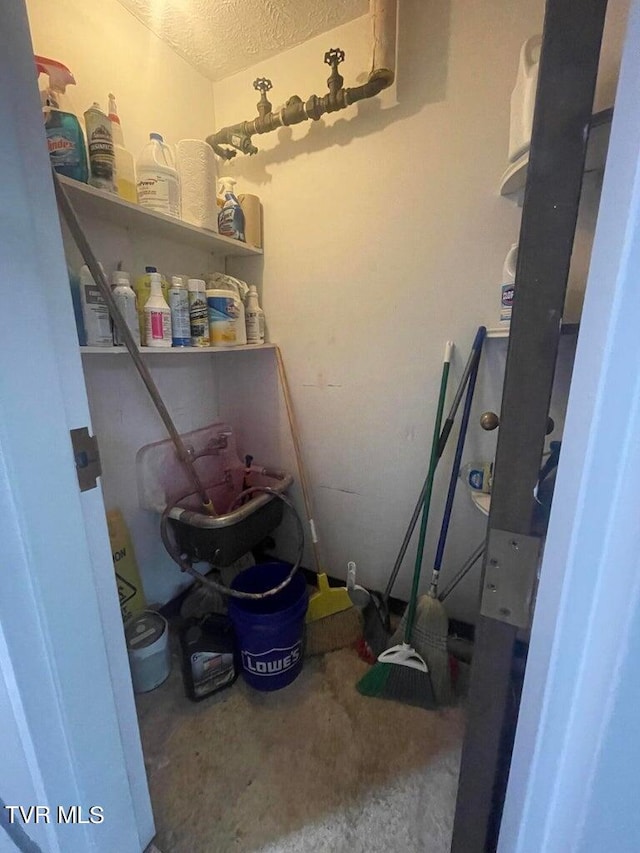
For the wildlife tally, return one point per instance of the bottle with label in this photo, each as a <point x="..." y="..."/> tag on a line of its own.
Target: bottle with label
<point x="102" y="159"/>
<point x="142" y="289"/>
<point x="208" y="655"/>
<point x="198" y="316"/>
<point x="157" y="316"/>
<point x="179" y="304"/>
<point x="508" y="284"/>
<point x="254" y="317"/>
<point x="126" y="301"/>
<point x="95" y="313"/>
<point x="231" y="215"/>
<point x="158" y="184"/>
<point x="65" y="139"/>
<point x="125" y="168"/>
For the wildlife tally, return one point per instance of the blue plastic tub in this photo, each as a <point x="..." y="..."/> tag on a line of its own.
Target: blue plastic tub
<point x="269" y="631"/>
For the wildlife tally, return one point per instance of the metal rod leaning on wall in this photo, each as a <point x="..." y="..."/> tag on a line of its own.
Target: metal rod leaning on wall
<point x="295" y="110"/>
<point x="73" y="223"/>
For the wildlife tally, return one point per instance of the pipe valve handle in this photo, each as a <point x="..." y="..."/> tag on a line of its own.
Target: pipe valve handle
<point x="334" y="57"/>
<point x="262" y="84"/>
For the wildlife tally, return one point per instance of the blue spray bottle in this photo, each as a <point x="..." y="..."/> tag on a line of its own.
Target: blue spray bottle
<point x="65" y="139"/>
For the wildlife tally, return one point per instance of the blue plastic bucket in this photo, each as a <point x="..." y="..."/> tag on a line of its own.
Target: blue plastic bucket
<point x="269" y="631"/>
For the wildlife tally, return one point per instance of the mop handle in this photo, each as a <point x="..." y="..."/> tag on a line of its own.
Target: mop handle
<point x="98" y="276"/>
<point x="453" y="480"/>
<point x="473" y="356"/>
<point x="413" y="599"/>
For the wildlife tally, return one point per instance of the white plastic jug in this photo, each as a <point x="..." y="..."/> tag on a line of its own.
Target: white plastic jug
<point x="508" y="284"/>
<point x="158" y="184"/>
<point x="523" y="98"/>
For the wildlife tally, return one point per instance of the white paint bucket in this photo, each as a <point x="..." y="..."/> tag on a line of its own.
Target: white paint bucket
<point x="147" y="636"/>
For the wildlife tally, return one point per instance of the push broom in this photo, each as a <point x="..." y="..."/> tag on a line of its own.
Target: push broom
<point x="400" y="672"/>
<point x="430" y="630"/>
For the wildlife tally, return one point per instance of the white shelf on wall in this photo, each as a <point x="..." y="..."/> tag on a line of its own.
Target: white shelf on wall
<point x="503" y="331"/>
<point x="175" y="351"/>
<point x="108" y="207"/>
<point x="515" y="177"/>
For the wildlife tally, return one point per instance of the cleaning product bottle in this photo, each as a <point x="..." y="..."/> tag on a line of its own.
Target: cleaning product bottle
<point x="125" y="168"/>
<point x="157" y="316"/>
<point x="198" y="313"/>
<point x="231" y="216"/>
<point x="179" y="304"/>
<point x="126" y="301"/>
<point x="94" y="311"/>
<point x="142" y="290"/>
<point x="254" y="317"/>
<point x="222" y="281"/>
<point x="65" y="139"/>
<point x="158" y="184"/>
<point x="508" y="284"/>
<point x="102" y="159"/>
<point x="223" y="309"/>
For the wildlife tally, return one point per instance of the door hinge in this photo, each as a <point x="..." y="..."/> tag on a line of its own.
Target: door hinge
<point x="87" y="458"/>
<point x="510" y="577"/>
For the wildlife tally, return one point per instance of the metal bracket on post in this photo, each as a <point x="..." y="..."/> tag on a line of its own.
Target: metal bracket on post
<point x="87" y="458"/>
<point x="510" y="577"/>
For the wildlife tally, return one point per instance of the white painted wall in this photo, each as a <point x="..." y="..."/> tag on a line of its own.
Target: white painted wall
<point x="109" y="50"/>
<point x="384" y="236"/>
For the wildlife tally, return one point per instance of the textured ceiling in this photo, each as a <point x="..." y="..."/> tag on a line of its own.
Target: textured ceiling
<point x="220" y="37"/>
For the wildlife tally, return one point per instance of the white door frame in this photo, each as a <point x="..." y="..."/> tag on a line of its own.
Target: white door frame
<point x="565" y="793"/>
<point x="68" y="726"/>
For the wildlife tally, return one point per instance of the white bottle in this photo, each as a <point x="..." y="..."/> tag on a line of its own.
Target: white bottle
<point x="94" y="311"/>
<point x="126" y="301"/>
<point x="179" y="304"/>
<point x="158" y="184"/>
<point x="254" y="316"/>
<point x="508" y="284"/>
<point x="198" y="315"/>
<point x="157" y="316"/>
<point x="523" y="98"/>
<point x="125" y="168"/>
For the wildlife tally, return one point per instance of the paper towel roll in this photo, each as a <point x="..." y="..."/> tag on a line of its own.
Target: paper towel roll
<point x="198" y="182"/>
<point x="252" y="210"/>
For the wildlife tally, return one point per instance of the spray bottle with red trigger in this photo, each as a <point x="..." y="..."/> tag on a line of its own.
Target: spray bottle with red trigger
<point x="65" y="139"/>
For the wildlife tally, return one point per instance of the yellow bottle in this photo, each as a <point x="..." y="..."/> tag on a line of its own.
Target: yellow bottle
<point x="125" y="166"/>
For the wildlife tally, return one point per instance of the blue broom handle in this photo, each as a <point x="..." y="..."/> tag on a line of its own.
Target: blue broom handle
<point x="474" y="355"/>
<point x="464" y="423"/>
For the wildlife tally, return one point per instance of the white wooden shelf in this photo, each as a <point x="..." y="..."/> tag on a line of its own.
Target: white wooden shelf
<point x="109" y="208"/>
<point x="503" y="331"/>
<point x="177" y="351"/>
<point x="515" y="177"/>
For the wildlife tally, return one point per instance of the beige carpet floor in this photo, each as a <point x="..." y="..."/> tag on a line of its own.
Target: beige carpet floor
<point x="315" y="767"/>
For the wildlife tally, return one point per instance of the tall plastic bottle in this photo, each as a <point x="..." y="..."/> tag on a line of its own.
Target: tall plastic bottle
<point x="198" y="314"/>
<point x="102" y="158"/>
<point x="158" y="183"/>
<point x="142" y="288"/>
<point x="94" y="311"/>
<point x="179" y="304"/>
<point x="157" y="316"/>
<point x="523" y="98"/>
<point x="126" y="301"/>
<point x="65" y="139"/>
<point x="254" y="316"/>
<point x="231" y="215"/>
<point x="508" y="284"/>
<point x="125" y="167"/>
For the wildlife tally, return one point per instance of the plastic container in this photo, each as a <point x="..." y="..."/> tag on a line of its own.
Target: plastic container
<point x="95" y="313"/>
<point x="125" y="167"/>
<point x="102" y="159"/>
<point x="142" y="289"/>
<point x="507" y="287"/>
<point x="126" y="301"/>
<point x="523" y="98"/>
<point x="198" y="313"/>
<point x="208" y="656"/>
<point x="478" y="476"/>
<point x="158" y="184"/>
<point x="147" y="636"/>
<point x="269" y="631"/>
<point x="225" y="315"/>
<point x="254" y="318"/>
<point x="179" y="304"/>
<point x="231" y="215"/>
<point x="157" y="316"/>
<point x="65" y="140"/>
<point x="76" y="298"/>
